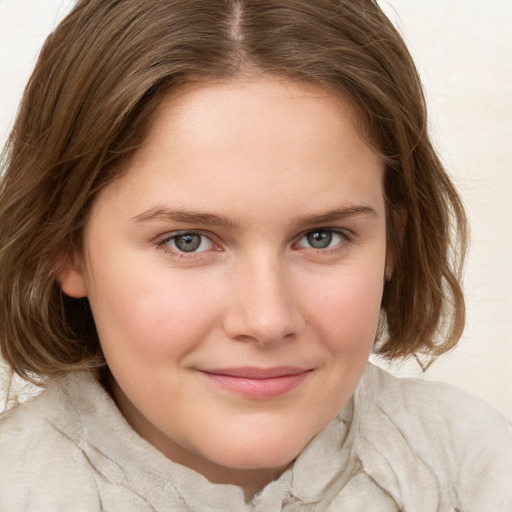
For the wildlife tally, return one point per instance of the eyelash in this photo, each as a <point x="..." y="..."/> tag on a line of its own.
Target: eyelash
<point x="342" y="233"/>
<point x="163" y="243"/>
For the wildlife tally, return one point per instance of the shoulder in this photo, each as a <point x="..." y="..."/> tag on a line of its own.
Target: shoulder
<point x="71" y="449"/>
<point x="39" y="461"/>
<point x="428" y="407"/>
<point x="456" y="441"/>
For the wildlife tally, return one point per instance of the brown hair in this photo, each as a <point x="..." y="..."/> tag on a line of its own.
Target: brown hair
<point x="87" y="107"/>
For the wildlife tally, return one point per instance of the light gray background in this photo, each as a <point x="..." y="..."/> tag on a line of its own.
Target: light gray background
<point x="463" y="50"/>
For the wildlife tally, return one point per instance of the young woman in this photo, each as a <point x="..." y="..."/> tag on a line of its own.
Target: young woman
<point x="211" y="213"/>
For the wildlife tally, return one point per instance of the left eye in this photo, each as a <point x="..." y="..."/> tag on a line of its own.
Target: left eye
<point x="322" y="239"/>
<point x="188" y="242"/>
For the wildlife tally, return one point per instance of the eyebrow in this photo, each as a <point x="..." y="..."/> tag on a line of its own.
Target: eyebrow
<point x="159" y="213"/>
<point x="163" y="214"/>
<point x="335" y="215"/>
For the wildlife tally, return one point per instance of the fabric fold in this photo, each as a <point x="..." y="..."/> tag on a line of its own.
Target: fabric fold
<point x="397" y="445"/>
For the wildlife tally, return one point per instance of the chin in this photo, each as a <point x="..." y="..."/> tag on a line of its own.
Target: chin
<point x="275" y="452"/>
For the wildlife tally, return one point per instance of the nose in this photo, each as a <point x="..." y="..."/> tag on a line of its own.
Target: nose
<point x="263" y="304"/>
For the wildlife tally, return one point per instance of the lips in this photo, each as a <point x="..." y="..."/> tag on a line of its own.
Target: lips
<point x="258" y="383"/>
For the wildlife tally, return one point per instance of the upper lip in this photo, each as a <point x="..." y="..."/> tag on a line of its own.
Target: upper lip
<point x="253" y="372"/>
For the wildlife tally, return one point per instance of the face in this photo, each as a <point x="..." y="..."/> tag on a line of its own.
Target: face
<point x="235" y="273"/>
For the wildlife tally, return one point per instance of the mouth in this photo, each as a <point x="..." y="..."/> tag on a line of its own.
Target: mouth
<point x="258" y="383"/>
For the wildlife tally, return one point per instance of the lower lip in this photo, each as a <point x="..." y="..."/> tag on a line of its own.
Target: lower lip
<point x="258" y="388"/>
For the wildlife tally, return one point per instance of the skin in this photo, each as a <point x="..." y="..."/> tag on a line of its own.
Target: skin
<point x="269" y="162"/>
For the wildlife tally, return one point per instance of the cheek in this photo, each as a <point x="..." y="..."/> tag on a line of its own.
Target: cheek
<point x="148" y="315"/>
<point x="348" y="312"/>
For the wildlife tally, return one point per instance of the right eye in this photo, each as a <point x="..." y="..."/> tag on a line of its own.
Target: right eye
<point x="187" y="242"/>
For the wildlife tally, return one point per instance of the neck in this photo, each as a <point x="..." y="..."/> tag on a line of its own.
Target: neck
<point x="250" y="480"/>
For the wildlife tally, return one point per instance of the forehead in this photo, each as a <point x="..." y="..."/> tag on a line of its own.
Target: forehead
<point x="269" y="139"/>
<point x="250" y="103"/>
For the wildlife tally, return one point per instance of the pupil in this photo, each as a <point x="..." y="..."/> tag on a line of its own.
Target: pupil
<point x="188" y="243"/>
<point x="320" y="239"/>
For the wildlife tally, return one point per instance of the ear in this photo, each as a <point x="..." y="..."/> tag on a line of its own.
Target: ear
<point x="70" y="275"/>
<point x="390" y="266"/>
<point x="396" y="233"/>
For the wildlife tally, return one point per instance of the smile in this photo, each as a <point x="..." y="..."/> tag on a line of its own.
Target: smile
<point x="258" y="383"/>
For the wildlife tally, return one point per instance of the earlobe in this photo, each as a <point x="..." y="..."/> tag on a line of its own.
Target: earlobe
<point x="389" y="268"/>
<point x="70" y="276"/>
<point x="388" y="274"/>
<point x="398" y="219"/>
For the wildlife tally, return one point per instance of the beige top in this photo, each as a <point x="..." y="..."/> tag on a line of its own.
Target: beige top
<point x="399" y="445"/>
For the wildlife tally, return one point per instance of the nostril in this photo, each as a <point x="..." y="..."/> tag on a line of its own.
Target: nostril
<point x="247" y="325"/>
